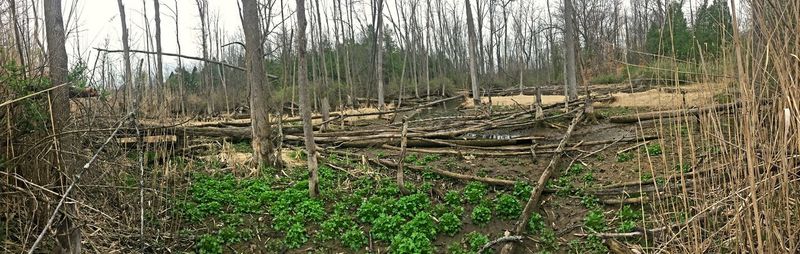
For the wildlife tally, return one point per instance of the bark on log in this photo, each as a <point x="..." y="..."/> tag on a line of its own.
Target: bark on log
<point x="486" y="180"/>
<point x="670" y="113"/>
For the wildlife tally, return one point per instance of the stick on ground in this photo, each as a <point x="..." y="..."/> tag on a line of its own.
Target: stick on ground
<point x="536" y="193"/>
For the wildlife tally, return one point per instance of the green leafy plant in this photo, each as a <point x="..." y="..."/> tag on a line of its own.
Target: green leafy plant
<point x="481" y="214"/>
<point x="334" y="226"/>
<point x="508" y="207"/>
<point x="413" y="243"/>
<point x="430" y="158"/>
<point x="683" y="168"/>
<point x="452" y="198"/>
<point x="474" y="192"/>
<point x="385" y="227"/>
<point x="653" y="149"/>
<point x="595" y="220"/>
<point x="536" y="223"/>
<point x="370" y="209"/>
<point x="311" y="210"/>
<point x="549" y="239"/>
<point x="592" y="244"/>
<point x="450" y="223"/>
<point x="409" y="206"/>
<point x="295" y="236"/>
<point x="588" y="178"/>
<point x="209" y="244"/>
<point x="590" y="201"/>
<point x="628" y="213"/>
<point x="646" y="176"/>
<point x="575" y="169"/>
<point x="522" y="190"/>
<point x="624" y="157"/>
<point x="232" y="235"/>
<point x="421" y="223"/>
<point x="354" y="238"/>
<point x="626" y="226"/>
<point x="388" y="191"/>
<point x="476" y="240"/>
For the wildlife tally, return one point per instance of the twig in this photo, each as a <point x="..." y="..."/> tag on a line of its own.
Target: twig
<point x="33" y="94"/>
<point x="509" y="238"/>
<point x="633" y="147"/>
<point x="72" y="185"/>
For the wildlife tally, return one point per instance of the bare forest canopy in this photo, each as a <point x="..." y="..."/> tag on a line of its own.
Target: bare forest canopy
<point x="423" y="43"/>
<point x="399" y="126"/>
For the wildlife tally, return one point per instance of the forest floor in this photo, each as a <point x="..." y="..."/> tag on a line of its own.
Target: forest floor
<point x="606" y="180"/>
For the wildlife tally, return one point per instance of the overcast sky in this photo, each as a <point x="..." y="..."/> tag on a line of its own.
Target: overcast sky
<point x="98" y="21"/>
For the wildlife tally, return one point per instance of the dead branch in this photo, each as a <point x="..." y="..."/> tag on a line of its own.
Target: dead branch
<point x="536" y="193"/>
<point x="507" y="238"/>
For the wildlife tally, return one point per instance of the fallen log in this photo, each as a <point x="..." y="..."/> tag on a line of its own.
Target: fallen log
<point x="536" y="192"/>
<point x="670" y="113"/>
<point x="344" y="116"/>
<point x="486" y="180"/>
<point x="445" y="173"/>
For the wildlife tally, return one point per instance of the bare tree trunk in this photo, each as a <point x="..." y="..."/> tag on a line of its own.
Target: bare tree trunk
<point x="159" y="57"/>
<point x="68" y="235"/>
<point x="403" y="142"/>
<point x="146" y="85"/>
<point x="127" y="59"/>
<point x="302" y="80"/>
<point x="181" y="78"/>
<point x="426" y="50"/>
<point x="378" y="21"/>
<point x="569" y="38"/>
<point x="323" y="88"/>
<point x="263" y="149"/>
<point x="473" y="65"/>
<point x="202" y="9"/>
<point x="17" y="37"/>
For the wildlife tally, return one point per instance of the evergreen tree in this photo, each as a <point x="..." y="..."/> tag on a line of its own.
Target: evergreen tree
<point x="713" y="27"/>
<point x="673" y="36"/>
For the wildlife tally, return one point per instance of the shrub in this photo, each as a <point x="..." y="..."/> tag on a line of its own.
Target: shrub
<point x="508" y="207"/>
<point x="481" y="214"/>
<point x="450" y="223"/>
<point x="474" y="192"/>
